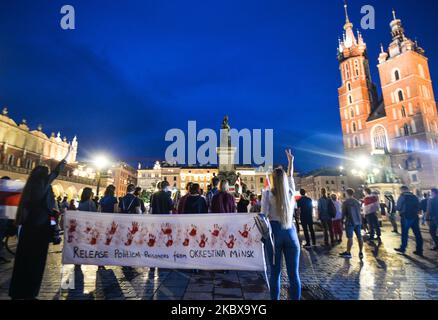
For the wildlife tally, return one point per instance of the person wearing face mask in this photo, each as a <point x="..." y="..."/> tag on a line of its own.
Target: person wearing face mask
<point x="161" y="201"/>
<point x="34" y="214"/>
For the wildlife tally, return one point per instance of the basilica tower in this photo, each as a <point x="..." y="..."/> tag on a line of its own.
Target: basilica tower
<point x="411" y="112"/>
<point x="357" y="94"/>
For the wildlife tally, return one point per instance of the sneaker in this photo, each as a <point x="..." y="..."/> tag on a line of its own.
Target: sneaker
<point x="360" y="255"/>
<point x="420" y="254"/>
<point x="399" y="250"/>
<point x="346" y="255"/>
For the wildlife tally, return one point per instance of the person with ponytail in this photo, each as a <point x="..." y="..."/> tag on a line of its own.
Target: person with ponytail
<point x="278" y="205"/>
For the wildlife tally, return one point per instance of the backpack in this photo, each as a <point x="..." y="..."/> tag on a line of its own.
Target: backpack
<point x="331" y="209"/>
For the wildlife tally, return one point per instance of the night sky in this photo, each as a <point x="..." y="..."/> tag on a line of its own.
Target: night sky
<point x="134" y="69"/>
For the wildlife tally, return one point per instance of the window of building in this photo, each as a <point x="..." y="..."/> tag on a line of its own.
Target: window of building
<point x="354" y="127"/>
<point x="356" y="141"/>
<point x="403" y="111"/>
<point x="379" y="138"/>
<point x="11" y="160"/>
<point x="414" y="177"/>
<point x="406" y="129"/>
<point x="352" y="113"/>
<point x="349" y="86"/>
<point x="400" y="96"/>
<point x="396" y="75"/>
<point x="28" y="164"/>
<point x="261" y="180"/>
<point x="350" y="99"/>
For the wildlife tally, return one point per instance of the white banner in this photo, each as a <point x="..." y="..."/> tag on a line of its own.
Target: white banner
<point x="203" y="241"/>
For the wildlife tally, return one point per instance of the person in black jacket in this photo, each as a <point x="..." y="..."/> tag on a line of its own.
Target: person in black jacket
<point x="161" y="202"/>
<point x="33" y="215"/>
<point x="195" y="203"/>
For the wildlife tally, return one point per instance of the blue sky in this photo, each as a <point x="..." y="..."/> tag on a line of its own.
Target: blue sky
<point x="134" y="69"/>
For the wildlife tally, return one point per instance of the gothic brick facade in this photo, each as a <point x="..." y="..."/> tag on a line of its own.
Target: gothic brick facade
<point x="399" y="130"/>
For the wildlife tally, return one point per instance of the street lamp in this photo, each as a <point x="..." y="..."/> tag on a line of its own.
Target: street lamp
<point x="101" y="162"/>
<point x="362" y="162"/>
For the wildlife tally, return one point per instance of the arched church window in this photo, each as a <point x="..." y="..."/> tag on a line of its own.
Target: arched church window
<point x="403" y="111"/>
<point x="396" y="75"/>
<point x="352" y="112"/>
<point x="354" y="127"/>
<point x="406" y="129"/>
<point x="400" y="96"/>
<point x="379" y="138"/>
<point x="350" y="99"/>
<point x="356" y="141"/>
<point x="349" y="86"/>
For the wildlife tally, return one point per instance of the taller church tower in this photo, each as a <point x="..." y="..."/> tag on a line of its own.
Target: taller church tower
<point x="357" y="94"/>
<point x="411" y="112"/>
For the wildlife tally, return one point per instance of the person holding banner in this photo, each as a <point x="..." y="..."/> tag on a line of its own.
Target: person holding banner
<point x="34" y="215"/>
<point x="278" y="205"/>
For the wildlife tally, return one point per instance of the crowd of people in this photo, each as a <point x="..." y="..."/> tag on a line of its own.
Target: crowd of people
<point x="361" y="217"/>
<point x="286" y="212"/>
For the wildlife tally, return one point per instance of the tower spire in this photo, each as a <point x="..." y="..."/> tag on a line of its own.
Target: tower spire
<point x="393" y="14"/>
<point x="347" y="19"/>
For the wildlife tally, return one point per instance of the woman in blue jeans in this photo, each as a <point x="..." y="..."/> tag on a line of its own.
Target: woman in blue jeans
<point x="278" y="205"/>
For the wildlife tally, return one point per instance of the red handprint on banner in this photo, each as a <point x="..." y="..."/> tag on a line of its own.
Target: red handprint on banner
<point x="169" y="242"/>
<point x="129" y="238"/>
<point x="193" y="232"/>
<point x="216" y="230"/>
<point x="109" y="238"/>
<point x="230" y="244"/>
<point x="71" y="230"/>
<point x="203" y="241"/>
<point x="134" y="228"/>
<point x="186" y="242"/>
<point x="166" y="229"/>
<point x="246" y="231"/>
<point x="152" y="240"/>
<point x="94" y="237"/>
<point x="113" y="228"/>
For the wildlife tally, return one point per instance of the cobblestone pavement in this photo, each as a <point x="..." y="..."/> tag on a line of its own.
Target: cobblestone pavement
<point x="383" y="274"/>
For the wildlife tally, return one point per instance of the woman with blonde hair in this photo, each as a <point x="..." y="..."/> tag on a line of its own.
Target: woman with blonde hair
<point x="278" y="205"/>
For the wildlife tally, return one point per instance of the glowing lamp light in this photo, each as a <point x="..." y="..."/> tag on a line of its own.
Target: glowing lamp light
<point x="363" y="162"/>
<point x="101" y="162"/>
<point x="354" y="172"/>
<point x="376" y="171"/>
